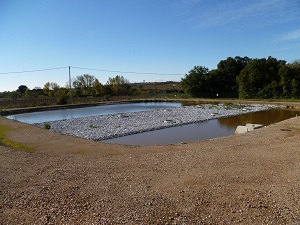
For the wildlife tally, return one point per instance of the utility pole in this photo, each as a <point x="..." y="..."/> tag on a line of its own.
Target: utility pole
<point x="70" y="85"/>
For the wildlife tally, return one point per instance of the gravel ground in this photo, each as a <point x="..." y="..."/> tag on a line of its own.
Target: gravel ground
<point x="252" y="178"/>
<point x="99" y="128"/>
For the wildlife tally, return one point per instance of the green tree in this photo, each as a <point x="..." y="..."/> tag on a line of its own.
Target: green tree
<point x="61" y="96"/>
<point x="98" y="88"/>
<point x="84" y="84"/>
<point x="286" y="76"/>
<point x="260" y="79"/>
<point x="228" y="70"/>
<point x="295" y="88"/>
<point x="22" y="89"/>
<point x="107" y="91"/>
<point x="295" y="74"/>
<point x="119" y="85"/>
<point x="196" y="82"/>
<point x="50" y="88"/>
<point x="36" y="92"/>
<point x="14" y="94"/>
<point x="27" y="93"/>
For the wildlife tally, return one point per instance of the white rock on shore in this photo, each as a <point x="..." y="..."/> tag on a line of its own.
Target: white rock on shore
<point x="104" y="127"/>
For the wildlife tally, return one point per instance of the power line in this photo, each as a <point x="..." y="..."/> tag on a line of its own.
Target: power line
<point x="33" y="71"/>
<point x="99" y="70"/>
<point x="132" y="72"/>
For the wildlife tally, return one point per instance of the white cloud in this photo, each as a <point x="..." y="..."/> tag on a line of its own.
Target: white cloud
<point x="290" y="36"/>
<point x="251" y="13"/>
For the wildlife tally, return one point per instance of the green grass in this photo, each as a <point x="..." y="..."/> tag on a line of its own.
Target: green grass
<point x="93" y="126"/>
<point x="6" y="142"/>
<point x="214" y="103"/>
<point x="270" y="99"/>
<point x="230" y="105"/>
<point x="289" y="100"/>
<point x="47" y="125"/>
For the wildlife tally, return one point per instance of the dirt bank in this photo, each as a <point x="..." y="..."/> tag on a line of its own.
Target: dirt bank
<point x="252" y="178"/>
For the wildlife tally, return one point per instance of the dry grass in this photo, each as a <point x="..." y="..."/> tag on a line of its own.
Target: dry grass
<point x="7" y="142"/>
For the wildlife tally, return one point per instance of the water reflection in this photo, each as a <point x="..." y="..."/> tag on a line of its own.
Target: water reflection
<point x="264" y="117"/>
<point x="61" y="114"/>
<point x="205" y="130"/>
<point x="186" y="133"/>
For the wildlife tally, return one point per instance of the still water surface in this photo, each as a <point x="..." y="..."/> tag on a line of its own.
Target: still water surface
<point x="40" y="117"/>
<point x="186" y="133"/>
<point x="205" y="130"/>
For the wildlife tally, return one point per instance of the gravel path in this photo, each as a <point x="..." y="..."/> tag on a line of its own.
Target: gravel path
<point x="104" y="127"/>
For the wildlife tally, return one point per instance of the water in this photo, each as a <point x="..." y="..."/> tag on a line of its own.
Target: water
<point x="44" y="116"/>
<point x="186" y="133"/>
<point x="205" y="130"/>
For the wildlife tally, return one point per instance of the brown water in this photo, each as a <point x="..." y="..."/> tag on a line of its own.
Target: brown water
<point x="264" y="117"/>
<point x="205" y="130"/>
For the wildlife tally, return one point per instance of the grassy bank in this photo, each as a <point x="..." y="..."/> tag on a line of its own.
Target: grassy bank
<point x="6" y="142"/>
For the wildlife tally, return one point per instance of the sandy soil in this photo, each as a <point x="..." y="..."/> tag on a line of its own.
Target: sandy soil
<point x="251" y="178"/>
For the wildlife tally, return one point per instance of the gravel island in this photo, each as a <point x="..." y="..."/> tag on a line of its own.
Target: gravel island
<point x="104" y="127"/>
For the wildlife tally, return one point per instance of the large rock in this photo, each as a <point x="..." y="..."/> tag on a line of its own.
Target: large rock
<point x="247" y="128"/>
<point x="241" y="129"/>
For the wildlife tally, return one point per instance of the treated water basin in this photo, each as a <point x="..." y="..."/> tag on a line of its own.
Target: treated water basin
<point x="45" y="116"/>
<point x="185" y="133"/>
<point x="205" y="130"/>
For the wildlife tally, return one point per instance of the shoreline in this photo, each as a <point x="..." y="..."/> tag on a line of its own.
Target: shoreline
<point x="104" y="127"/>
<point x="16" y="111"/>
<point x="13" y="111"/>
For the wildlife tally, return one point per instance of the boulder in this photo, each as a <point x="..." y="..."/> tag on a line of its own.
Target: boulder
<point x="241" y="130"/>
<point x="247" y="128"/>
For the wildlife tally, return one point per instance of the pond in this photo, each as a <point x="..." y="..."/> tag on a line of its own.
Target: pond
<point x="186" y="133"/>
<point x="205" y="130"/>
<point x="45" y="116"/>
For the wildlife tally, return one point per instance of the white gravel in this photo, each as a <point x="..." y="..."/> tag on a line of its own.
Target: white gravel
<point x="104" y="127"/>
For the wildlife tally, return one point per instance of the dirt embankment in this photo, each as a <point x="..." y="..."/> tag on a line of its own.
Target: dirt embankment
<point x="252" y="178"/>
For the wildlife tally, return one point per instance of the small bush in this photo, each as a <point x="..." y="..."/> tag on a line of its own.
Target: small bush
<point x="214" y="103"/>
<point x="47" y="126"/>
<point x="62" y="100"/>
<point x="229" y="105"/>
<point x="93" y="126"/>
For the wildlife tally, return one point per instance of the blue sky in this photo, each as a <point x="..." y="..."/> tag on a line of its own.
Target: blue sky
<point x="158" y="36"/>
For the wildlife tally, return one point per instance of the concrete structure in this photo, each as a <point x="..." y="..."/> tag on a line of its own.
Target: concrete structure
<point x="248" y="127"/>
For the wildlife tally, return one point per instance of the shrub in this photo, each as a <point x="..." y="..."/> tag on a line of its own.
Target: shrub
<point x="62" y="100"/>
<point x="47" y="126"/>
<point x="93" y="126"/>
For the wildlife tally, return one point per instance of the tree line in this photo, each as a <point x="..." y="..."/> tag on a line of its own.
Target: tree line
<point x="88" y="85"/>
<point x="245" y="78"/>
<point x="238" y="77"/>
<point x="82" y="85"/>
